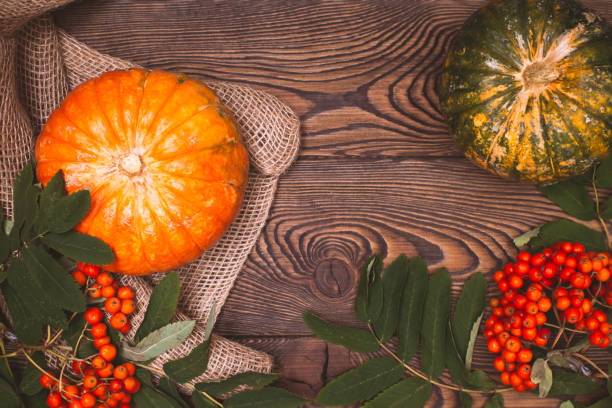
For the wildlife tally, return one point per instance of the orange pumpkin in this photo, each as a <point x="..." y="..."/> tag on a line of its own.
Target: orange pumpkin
<point x="162" y="159"/>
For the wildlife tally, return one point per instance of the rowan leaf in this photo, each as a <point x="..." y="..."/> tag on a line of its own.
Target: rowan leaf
<point x="435" y="322"/>
<point x="200" y="401"/>
<point x="66" y="212"/>
<point x="270" y="397"/>
<point x="480" y="380"/>
<point x="411" y="392"/>
<point x="572" y="197"/>
<point x="28" y="327"/>
<point x="524" y="238"/>
<point x="569" y="383"/>
<point x="465" y="399"/>
<point x="602" y="403"/>
<point x="566" y="230"/>
<point x="30" y="382"/>
<point x="542" y="375"/>
<point x="411" y="309"/>
<point x="351" y="338"/>
<point x="393" y="282"/>
<point x="151" y="398"/>
<point x="473" y="336"/>
<point x="604" y="173"/>
<point x="80" y="247"/>
<point x="361" y="383"/>
<point x="496" y="401"/>
<point x="370" y="273"/>
<point x="468" y="311"/>
<point x="162" y="305"/>
<point x="159" y="341"/>
<point x="191" y="366"/>
<point x="9" y="396"/>
<point x="251" y="378"/>
<point x="169" y="388"/>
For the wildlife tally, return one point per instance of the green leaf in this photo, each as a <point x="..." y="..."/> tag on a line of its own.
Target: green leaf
<point x="270" y="397"/>
<point x="162" y="305"/>
<point x="200" y="401"/>
<point x="609" y="382"/>
<point x="542" y="374"/>
<point x="473" y="336"/>
<point x="144" y="376"/>
<point x="411" y="392"/>
<point x="496" y="401"/>
<point x="524" y="239"/>
<point x="602" y="403"/>
<point x="30" y="212"/>
<point x="435" y="321"/>
<point x="28" y="327"/>
<point x="376" y="300"/>
<point x="480" y="380"/>
<point x="30" y="383"/>
<point x="80" y="247"/>
<point x="9" y="396"/>
<point x="569" y="383"/>
<point x="566" y="230"/>
<point x="572" y="197"/>
<point x="369" y="274"/>
<point x="4" y="242"/>
<point x="361" y="383"/>
<point x="566" y="404"/>
<point x="167" y="386"/>
<point x="50" y="279"/>
<point x="465" y="399"/>
<point x="53" y="191"/>
<point x="251" y="378"/>
<point x="38" y="400"/>
<point x="411" y="309"/>
<point x="210" y="321"/>
<point x="468" y="311"/>
<point x="159" y="341"/>
<point x="21" y="198"/>
<point x="150" y="398"/>
<point x="456" y="366"/>
<point x="605" y="211"/>
<point x="187" y="368"/>
<point x="604" y="173"/>
<point x="75" y="327"/>
<point x="393" y="281"/>
<point x="353" y="339"/>
<point x="67" y="211"/>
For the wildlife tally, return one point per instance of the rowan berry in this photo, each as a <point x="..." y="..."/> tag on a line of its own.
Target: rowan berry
<point x="579" y="325"/>
<point x="126" y="328"/>
<point x="515" y="281"/>
<point x="547" y="252"/>
<point x="585" y="265"/>
<point x="576" y="301"/>
<point x="95" y="291"/>
<point x="79" y="277"/>
<point x="578" y="248"/>
<point x="558" y="258"/>
<point x="537" y="260"/>
<point x="606" y="342"/>
<point x="572" y="315"/>
<point x="550" y="270"/>
<point x="529" y="334"/>
<point x="560" y="292"/>
<point x="118" y="396"/>
<point x="100" y="391"/>
<point x="597" y="338"/>
<point x="93" y="315"/>
<point x="509" y="356"/>
<point x="603" y="275"/>
<point x="516" y="321"/>
<point x="111" y="403"/>
<point x="529" y="321"/>
<point x="535" y="275"/>
<point x="106" y="372"/>
<point x="88" y="400"/>
<point x="101" y="341"/>
<point x="515" y="380"/>
<point x="571" y="262"/>
<point x="530" y="384"/>
<point x="563" y="303"/>
<point x="521" y="268"/>
<point x="505" y="378"/>
<point x="533" y="293"/>
<point x="54" y="399"/>
<point x="524" y="355"/>
<point x="108" y="352"/>
<point x="115" y="385"/>
<point x="591" y="323"/>
<point x="524" y="371"/>
<point x="587" y="306"/>
<point x="120" y="372"/>
<point x="98" y="330"/>
<point x="498" y="311"/>
<point x="540" y="318"/>
<point x="127" y="306"/>
<point x="118" y="320"/>
<point x="105" y="279"/>
<point x="70" y="392"/>
<point x="599" y="315"/>
<point x="90" y="381"/>
<point x="510" y="294"/>
<point x="503" y="285"/>
<point x="531" y="307"/>
<point x="494" y="302"/>
<point x="540" y="341"/>
<point x="107" y="291"/>
<point x="47" y="381"/>
<point x="566" y="274"/>
<point x="75" y="404"/>
<point x="544" y="304"/>
<point x="566" y="247"/>
<point x="90" y="270"/>
<point x="606" y="328"/>
<point x="494" y="346"/>
<point x="488" y="333"/>
<point x="502" y="338"/>
<point x="499" y="363"/>
<point x="513" y="344"/>
<point x="125" y="292"/>
<point x="112" y="305"/>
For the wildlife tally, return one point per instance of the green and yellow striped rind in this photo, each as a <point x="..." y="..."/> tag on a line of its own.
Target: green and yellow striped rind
<point x="537" y="134"/>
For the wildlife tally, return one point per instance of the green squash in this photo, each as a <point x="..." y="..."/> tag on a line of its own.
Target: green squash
<point x="527" y="89"/>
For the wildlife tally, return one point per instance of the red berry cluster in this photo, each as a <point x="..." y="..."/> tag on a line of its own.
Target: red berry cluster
<point x="100" y="384"/>
<point x="563" y="279"/>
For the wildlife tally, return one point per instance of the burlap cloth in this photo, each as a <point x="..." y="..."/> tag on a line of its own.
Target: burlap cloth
<point x="40" y="63"/>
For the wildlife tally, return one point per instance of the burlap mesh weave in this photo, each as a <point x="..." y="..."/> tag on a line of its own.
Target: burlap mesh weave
<point x="40" y="63"/>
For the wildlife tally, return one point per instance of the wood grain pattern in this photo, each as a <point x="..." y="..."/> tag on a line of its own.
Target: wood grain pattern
<point x="378" y="171"/>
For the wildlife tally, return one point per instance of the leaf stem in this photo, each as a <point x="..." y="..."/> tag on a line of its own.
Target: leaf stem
<point x="161" y="372"/>
<point x="601" y="220"/>
<point x="592" y="364"/>
<point x="422" y="376"/>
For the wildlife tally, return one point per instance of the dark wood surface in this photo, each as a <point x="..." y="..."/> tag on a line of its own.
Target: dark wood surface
<point x="377" y="171"/>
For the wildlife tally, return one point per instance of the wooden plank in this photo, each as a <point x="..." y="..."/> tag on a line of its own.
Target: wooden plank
<point x="360" y="74"/>
<point x="330" y="215"/>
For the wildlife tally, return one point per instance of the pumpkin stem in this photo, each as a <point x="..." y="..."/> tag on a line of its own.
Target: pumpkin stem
<point x="538" y="75"/>
<point x="131" y="164"/>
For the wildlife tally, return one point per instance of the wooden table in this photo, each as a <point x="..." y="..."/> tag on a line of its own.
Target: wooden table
<point x="377" y="172"/>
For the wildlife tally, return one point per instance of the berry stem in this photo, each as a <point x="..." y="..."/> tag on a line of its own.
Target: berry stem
<point x="601" y="220"/>
<point x="592" y="364"/>
<point x="42" y="370"/>
<point x="567" y="328"/>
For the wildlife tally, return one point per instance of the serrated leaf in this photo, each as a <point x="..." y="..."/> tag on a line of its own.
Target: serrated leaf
<point x="167" y="386"/>
<point x="66" y="212"/>
<point x="144" y="376"/>
<point x="468" y="311"/>
<point x="9" y="396"/>
<point x="393" y="282"/>
<point x="27" y="327"/>
<point x="150" y="398"/>
<point x="361" y="383"/>
<point x="605" y="210"/>
<point x="23" y="183"/>
<point x="496" y="401"/>
<point x="251" y="378"/>
<point x="524" y="239"/>
<point x="270" y="397"/>
<point x="480" y="380"/>
<point x="435" y="322"/>
<point x="465" y="399"/>
<point x="51" y="280"/>
<point x="411" y="392"/>
<point x="566" y="404"/>
<point x="210" y="321"/>
<point x="351" y="338"/>
<point x="602" y="403"/>
<point x="369" y="274"/>
<point x="189" y="367"/>
<point x="30" y="382"/>
<point x="162" y="305"/>
<point x="572" y="197"/>
<point x="456" y="366"/>
<point x="473" y="336"/>
<point x="411" y="309"/>
<point x="38" y="400"/>
<point x="200" y="401"/>
<point x="159" y="341"/>
<point x="542" y="375"/>
<point x="604" y="173"/>
<point x="376" y="300"/>
<point x="80" y="247"/>
<point x="53" y="191"/>
<point x="566" y="230"/>
<point x="30" y="212"/>
<point x="569" y="383"/>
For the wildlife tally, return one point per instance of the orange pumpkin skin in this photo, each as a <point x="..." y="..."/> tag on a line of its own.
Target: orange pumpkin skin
<point x="162" y="159"/>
